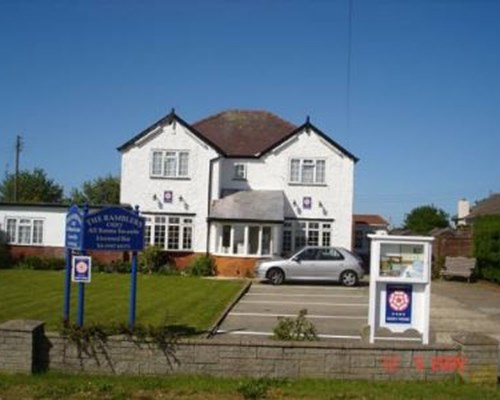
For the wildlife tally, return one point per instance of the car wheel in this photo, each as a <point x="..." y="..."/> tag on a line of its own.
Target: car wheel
<point x="276" y="276"/>
<point x="349" y="278"/>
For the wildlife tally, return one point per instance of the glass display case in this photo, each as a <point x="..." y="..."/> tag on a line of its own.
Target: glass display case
<point x="400" y="285"/>
<point x="402" y="260"/>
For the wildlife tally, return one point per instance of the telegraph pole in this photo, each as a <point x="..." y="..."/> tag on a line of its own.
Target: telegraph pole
<point x="19" y="148"/>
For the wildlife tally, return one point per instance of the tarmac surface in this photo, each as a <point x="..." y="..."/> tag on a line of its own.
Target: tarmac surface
<point x="341" y="313"/>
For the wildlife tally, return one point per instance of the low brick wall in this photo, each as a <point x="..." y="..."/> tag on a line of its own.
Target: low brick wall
<point x="22" y="346"/>
<point x="473" y="356"/>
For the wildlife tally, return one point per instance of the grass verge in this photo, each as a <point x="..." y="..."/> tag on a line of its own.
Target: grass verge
<point x="58" y="386"/>
<point x="173" y="300"/>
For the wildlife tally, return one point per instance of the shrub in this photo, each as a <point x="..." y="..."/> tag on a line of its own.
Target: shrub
<point x="5" y="259"/>
<point x="41" y="263"/>
<point x="437" y="266"/>
<point x="297" y="329"/>
<point x="150" y="259"/>
<point x="203" y="265"/>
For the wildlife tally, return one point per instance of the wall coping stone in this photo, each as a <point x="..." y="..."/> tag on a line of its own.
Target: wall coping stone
<point x="473" y="338"/>
<point x="335" y="345"/>
<point x="21" y="325"/>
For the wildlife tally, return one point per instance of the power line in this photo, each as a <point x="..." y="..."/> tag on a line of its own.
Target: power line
<point x="349" y="56"/>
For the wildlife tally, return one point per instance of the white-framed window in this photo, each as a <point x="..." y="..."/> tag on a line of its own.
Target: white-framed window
<point x="25" y="230"/>
<point x="245" y="240"/>
<point x="297" y="234"/>
<point x="240" y="171"/>
<point x="169" y="164"/>
<point x="307" y="171"/>
<point x="171" y="233"/>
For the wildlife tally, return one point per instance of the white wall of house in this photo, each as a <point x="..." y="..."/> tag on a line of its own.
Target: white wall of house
<point x="271" y="172"/>
<point x="190" y="195"/>
<point x="54" y="221"/>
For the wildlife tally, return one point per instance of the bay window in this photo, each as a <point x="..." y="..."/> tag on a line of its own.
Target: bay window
<point x="246" y="240"/>
<point x="169" y="232"/>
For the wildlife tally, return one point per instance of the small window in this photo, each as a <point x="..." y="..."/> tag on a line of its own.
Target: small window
<point x="240" y="171"/>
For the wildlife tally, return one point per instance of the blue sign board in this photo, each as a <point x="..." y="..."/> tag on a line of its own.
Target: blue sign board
<point x="113" y="229"/>
<point x="398" y="304"/>
<point x="81" y="267"/>
<point x="74" y="229"/>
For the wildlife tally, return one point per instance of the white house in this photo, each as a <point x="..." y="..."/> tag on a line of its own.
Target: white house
<point x="240" y="185"/>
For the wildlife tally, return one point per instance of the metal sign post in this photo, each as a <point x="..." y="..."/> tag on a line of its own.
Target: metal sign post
<point x="110" y="229"/>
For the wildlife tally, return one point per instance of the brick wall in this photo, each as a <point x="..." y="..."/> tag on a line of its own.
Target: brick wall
<point x="21" y="346"/>
<point x="25" y="348"/>
<point x="268" y="358"/>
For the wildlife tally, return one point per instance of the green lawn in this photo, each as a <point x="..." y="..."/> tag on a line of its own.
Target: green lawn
<point x="174" y="300"/>
<point x="59" y="386"/>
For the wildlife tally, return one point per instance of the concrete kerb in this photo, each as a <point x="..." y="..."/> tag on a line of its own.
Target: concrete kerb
<point x="213" y="330"/>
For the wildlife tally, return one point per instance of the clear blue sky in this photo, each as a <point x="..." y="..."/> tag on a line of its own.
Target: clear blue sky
<point x="79" y="78"/>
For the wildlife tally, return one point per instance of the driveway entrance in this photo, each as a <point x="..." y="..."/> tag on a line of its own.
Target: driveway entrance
<point x="337" y="312"/>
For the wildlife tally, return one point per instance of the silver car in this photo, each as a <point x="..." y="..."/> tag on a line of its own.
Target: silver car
<point x="314" y="263"/>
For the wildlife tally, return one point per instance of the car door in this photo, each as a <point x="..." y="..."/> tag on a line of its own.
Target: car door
<point x="330" y="263"/>
<point x="305" y="264"/>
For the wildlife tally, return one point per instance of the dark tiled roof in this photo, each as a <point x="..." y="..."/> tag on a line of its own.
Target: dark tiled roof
<point x="369" y="219"/>
<point x="240" y="133"/>
<point x="244" y="133"/>
<point x="488" y="206"/>
<point x="241" y="206"/>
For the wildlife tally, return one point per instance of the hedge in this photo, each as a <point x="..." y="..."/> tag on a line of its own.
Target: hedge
<point x="487" y="246"/>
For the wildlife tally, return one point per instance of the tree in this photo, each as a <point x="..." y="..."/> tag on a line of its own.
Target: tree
<point x="33" y="187"/>
<point x="423" y="219"/>
<point x="103" y="190"/>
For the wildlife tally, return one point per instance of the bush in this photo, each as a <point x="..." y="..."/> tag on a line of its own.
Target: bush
<point x="41" y="263"/>
<point x="437" y="266"/>
<point x="486" y="233"/>
<point x="297" y="329"/>
<point x="202" y="266"/>
<point x="151" y="259"/>
<point x="5" y="259"/>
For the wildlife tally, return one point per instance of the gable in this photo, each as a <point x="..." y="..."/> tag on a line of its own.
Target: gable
<point x="309" y="128"/>
<point x="169" y="119"/>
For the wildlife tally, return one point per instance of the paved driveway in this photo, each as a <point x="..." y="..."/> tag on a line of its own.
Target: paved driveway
<point x="341" y="313"/>
<point x="337" y="312"/>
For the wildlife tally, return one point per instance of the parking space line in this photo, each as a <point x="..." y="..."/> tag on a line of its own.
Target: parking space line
<point x="306" y="295"/>
<point x="304" y="303"/>
<point x="289" y="287"/>
<point x="257" y="333"/>
<point x="312" y="316"/>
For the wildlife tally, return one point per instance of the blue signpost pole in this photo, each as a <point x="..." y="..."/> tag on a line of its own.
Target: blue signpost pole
<point x="67" y="287"/>
<point x="81" y="285"/>
<point x="133" y="284"/>
<point x="133" y="291"/>
<point x="81" y="301"/>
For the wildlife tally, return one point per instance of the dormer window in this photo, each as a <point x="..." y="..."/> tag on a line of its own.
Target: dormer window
<point x="240" y="171"/>
<point x="170" y="164"/>
<point x="307" y="171"/>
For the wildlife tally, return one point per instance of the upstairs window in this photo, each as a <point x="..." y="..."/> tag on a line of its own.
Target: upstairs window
<point x="170" y="163"/>
<point x="307" y="171"/>
<point x="240" y="171"/>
